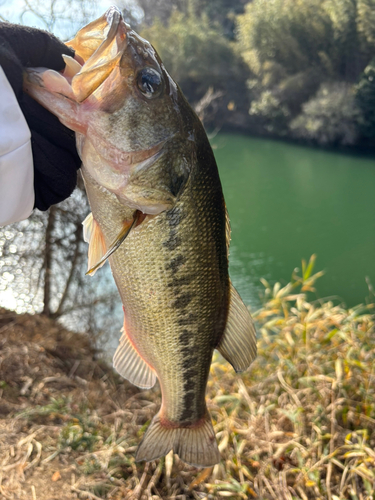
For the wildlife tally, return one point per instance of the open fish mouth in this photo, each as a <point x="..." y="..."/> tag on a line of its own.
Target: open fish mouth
<point x="98" y="51"/>
<point x="82" y="91"/>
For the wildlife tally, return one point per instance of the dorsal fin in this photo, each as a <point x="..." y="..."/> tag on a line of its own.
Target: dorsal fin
<point x="238" y="345"/>
<point x="93" y="235"/>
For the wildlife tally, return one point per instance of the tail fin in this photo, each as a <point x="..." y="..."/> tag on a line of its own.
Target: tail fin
<point x="194" y="445"/>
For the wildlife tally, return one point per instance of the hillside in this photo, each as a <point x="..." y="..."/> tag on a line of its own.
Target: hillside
<point x="298" y="425"/>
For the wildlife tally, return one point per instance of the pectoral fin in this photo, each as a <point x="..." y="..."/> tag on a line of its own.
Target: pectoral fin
<point x="238" y="345"/>
<point x="128" y="225"/>
<point x="93" y="235"/>
<point x="129" y="364"/>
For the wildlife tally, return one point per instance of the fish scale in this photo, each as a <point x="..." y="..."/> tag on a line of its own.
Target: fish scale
<point x="158" y="214"/>
<point x="156" y="317"/>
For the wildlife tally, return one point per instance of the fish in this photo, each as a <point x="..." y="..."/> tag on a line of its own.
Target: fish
<point x="158" y="215"/>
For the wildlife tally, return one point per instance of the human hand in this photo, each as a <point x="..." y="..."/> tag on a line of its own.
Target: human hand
<point x="55" y="157"/>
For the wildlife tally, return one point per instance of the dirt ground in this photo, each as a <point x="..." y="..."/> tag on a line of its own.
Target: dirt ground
<point x="47" y="374"/>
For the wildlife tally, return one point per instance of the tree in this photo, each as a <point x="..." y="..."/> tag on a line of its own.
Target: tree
<point x="366" y="25"/>
<point x="329" y="118"/>
<point x="220" y="12"/>
<point x="365" y="98"/>
<point x="294" y="33"/>
<point x="199" y="57"/>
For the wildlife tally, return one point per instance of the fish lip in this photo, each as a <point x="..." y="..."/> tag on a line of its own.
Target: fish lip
<point x="112" y="12"/>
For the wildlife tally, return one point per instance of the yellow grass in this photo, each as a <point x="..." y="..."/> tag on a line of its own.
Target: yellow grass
<point x="298" y="425"/>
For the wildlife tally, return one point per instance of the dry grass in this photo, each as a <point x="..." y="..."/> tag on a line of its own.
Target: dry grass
<point x="299" y="425"/>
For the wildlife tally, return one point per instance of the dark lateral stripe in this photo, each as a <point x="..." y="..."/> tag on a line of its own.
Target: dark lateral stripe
<point x="190" y="319"/>
<point x="175" y="216"/>
<point x="185" y="337"/>
<point x="182" y="301"/>
<point x="173" y="241"/>
<point x="176" y="263"/>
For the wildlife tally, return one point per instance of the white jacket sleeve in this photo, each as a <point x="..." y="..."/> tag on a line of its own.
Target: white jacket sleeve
<point x="16" y="160"/>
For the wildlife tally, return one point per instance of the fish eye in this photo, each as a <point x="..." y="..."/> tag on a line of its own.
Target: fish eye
<point x="149" y="82"/>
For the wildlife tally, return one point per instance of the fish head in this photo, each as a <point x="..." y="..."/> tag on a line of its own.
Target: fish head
<point x="125" y="109"/>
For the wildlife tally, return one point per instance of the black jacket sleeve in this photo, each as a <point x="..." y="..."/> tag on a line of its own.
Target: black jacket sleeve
<point x="53" y="145"/>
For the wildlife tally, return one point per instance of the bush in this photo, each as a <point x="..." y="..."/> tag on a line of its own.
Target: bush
<point x="293" y="33"/>
<point x="198" y="56"/>
<point x="329" y="118"/>
<point x="272" y="115"/>
<point x="365" y="99"/>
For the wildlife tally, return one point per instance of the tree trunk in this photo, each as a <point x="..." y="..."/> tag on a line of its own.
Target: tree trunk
<point x="78" y="239"/>
<point x="48" y="261"/>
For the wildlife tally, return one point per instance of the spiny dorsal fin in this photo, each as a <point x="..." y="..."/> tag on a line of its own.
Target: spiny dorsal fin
<point x="238" y="345"/>
<point x="129" y="364"/>
<point x="93" y="235"/>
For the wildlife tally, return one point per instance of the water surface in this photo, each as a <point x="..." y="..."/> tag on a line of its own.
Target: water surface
<point x="287" y="202"/>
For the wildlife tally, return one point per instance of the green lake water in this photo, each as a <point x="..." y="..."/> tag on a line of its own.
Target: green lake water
<point x="287" y="202"/>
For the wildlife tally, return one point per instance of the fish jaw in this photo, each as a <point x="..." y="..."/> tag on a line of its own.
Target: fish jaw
<point x="90" y="37"/>
<point x="111" y="166"/>
<point x="101" y="101"/>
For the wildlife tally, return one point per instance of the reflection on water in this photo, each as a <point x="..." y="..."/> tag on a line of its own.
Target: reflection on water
<point x="247" y="278"/>
<point x="287" y="202"/>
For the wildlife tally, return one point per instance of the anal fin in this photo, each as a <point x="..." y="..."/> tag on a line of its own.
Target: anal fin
<point x="238" y="345"/>
<point x="129" y="364"/>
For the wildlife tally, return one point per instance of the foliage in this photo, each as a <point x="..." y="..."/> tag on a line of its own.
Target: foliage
<point x="365" y="98"/>
<point x="329" y="118"/>
<point x="160" y="9"/>
<point x="293" y="33"/>
<point x="293" y="47"/>
<point x="221" y="12"/>
<point x="269" y="109"/>
<point x="198" y="57"/>
<point x="366" y="25"/>
<point x="300" y="423"/>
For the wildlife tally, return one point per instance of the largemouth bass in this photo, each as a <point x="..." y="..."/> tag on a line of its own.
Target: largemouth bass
<point x="158" y="214"/>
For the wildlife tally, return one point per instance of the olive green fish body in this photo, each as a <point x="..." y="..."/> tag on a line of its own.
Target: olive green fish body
<point x="175" y="289"/>
<point x="158" y="214"/>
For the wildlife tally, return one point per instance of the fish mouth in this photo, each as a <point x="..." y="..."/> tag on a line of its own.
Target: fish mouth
<point x="98" y="48"/>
